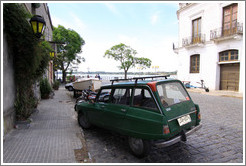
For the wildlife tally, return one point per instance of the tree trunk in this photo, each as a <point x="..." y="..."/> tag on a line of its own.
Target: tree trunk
<point x="64" y="75"/>
<point x="125" y="74"/>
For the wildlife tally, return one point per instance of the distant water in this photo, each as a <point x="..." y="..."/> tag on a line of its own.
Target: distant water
<point x="111" y="76"/>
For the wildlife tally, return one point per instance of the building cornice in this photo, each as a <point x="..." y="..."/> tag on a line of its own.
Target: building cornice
<point x="184" y="8"/>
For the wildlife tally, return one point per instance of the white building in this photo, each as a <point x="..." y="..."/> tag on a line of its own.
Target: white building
<point x="211" y="44"/>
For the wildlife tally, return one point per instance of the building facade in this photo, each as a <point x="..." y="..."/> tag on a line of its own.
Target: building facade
<point x="211" y="45"/>
<point x="9" y="89"/>
<point x="43" y="10"/>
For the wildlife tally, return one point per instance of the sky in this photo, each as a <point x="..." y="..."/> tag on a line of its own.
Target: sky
<point x="150" y="28"/>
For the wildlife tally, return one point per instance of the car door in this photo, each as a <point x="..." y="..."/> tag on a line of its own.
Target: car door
<point x="115" y="111"/>
<point x="143" y="119"/>
<point x="95" y="114"/>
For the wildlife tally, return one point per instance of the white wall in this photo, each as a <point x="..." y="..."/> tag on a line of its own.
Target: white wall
<point x="211" y="18"/>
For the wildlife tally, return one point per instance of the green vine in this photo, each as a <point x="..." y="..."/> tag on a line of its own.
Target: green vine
<point x="30" y="56"/>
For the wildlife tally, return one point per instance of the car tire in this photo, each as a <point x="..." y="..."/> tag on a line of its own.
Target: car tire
<point x="139" y="147"/>
<point x="70" y="88"/>
<point x="83" y="121"/>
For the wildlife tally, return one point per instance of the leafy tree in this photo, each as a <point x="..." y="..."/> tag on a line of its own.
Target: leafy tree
<point x="67" y="53"/>
<point x="126" y="56"/>
<point x="30" y="56"/>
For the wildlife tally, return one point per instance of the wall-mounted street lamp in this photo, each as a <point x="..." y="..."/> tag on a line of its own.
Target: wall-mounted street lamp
<point x="38" y="25"/>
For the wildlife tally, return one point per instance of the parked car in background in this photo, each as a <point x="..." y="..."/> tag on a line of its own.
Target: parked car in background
<point x="156" y="111"/>
<point x="69" y="86"/>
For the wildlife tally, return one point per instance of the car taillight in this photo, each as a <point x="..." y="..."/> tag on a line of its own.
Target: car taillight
<point x="199" y="116"/>
<point x="166" y="129"/>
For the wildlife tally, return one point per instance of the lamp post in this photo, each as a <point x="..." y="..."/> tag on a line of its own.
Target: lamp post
<point x="139" y="68"/>
<point x="155" y="67"/>
<point x="38" y="25"/>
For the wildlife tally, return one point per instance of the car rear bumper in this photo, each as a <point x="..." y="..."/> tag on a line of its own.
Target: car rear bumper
<point x="178" y="138"/>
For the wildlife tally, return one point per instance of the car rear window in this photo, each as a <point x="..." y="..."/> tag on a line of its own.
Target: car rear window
<point x="171" y="93"/>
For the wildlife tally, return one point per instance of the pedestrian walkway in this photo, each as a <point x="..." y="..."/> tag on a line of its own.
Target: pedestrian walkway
<point x="53" y="136"/>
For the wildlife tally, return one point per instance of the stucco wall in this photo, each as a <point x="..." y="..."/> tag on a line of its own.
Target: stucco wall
<point x="9" y="91"/>
<point x="8" y="88"/>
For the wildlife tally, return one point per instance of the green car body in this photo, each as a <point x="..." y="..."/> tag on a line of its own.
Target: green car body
<point x="156" y="111"/>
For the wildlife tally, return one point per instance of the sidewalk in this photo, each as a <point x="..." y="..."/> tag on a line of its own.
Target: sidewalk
<point x="217" y="92"/>
<point x="53" y="136"/>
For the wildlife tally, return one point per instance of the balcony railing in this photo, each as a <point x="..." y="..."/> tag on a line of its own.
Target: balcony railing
<point x="175" y="47"/>
<point x="193" y="40"/>
<point x="226" y="32"/>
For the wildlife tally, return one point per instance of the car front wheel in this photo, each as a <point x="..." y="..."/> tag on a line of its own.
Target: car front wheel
<point x="139" y="147"/>
<point x="70" y="88"/>
<point x="83" y="121"/>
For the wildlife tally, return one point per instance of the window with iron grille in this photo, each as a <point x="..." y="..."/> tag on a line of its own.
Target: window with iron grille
<point x="195" y="63"/>
<point x="229" y="55"/>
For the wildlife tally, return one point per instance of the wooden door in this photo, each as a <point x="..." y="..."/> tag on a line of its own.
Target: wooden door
<point x="229" y="76"/>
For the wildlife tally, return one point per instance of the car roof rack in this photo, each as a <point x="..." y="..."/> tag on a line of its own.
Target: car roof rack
<point x="120" y="80"/>
<point x="139" y="78"/>
<point x="143" y="78"/>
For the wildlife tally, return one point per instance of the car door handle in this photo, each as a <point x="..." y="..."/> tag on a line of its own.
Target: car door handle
<point x="123" y="110"/>
<point x="102" y="106"/>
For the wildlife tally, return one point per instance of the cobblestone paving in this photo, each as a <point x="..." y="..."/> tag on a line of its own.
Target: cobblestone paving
<point x="220" y="140"/>
<point x="52" y="137"/>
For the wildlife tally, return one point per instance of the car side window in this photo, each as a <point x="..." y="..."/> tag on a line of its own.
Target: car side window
<point x="143" y="98"/>
<point x="104" y="95"/>
<point x="121" y="96"/>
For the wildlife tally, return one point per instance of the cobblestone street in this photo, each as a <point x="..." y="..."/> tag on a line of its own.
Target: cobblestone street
<point x="220" y="140"/>
<point x="54" y="136"/>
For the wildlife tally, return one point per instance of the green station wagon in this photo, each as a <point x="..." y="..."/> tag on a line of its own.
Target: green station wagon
<point x="149" y="110"/>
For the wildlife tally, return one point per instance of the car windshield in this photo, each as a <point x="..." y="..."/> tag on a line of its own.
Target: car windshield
<point x="172" y="93"/>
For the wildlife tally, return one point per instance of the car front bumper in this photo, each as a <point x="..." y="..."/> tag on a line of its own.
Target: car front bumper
<point x="178" y="138"/>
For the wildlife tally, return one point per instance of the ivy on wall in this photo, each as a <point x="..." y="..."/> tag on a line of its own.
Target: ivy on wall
<point x="30" y="56"/>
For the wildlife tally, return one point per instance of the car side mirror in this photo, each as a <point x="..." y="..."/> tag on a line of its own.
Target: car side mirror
<point x="106" y="98"/>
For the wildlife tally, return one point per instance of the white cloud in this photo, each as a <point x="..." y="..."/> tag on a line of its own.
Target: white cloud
<point x="74" y="23"/>
<point x="155" y="17"/>
<point x="130" y="41"/>
<point x="112" y="8"/>
<point x="93" y="53"/>
<point x="160" y="52"/>
<point x="58" y="21"/>
<point x="77" y="23"/>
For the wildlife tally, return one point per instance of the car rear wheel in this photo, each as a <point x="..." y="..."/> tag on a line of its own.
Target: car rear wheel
<point x="83" y="121"/>
<point x="139" y="147"/>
